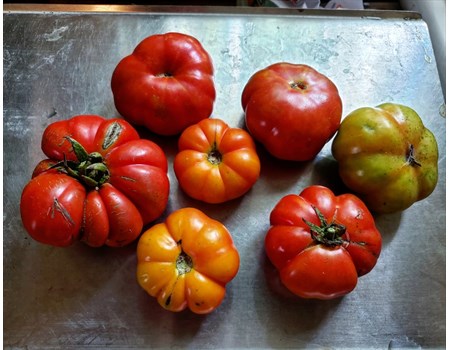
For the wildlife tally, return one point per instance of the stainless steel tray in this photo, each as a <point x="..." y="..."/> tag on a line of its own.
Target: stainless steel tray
<point x="58" y="62"/>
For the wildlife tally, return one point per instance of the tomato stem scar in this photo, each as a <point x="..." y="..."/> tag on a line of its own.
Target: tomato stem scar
<point x="298" y="85"/>
<point x="214" y="155"/>
<point x="184" y="263"/>
<point x="410" y="157"/>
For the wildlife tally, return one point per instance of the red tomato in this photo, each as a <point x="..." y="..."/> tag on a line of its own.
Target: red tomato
<point x="166" y="84"/>
<point x="100" y="188"/>
<point x="216" y="163"/>
<point x="292" y="109"/>
<point x="52" y="208"/>
<point x="321" y="243"/>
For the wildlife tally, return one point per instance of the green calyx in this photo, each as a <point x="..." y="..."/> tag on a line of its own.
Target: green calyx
<point x="89" y="168"/>
<point x="329" y="234"/>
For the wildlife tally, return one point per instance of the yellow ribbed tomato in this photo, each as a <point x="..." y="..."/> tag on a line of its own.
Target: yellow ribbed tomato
<point x="186" y="261"/>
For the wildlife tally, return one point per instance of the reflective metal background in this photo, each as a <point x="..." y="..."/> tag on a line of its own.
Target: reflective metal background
<point x="59" y="64"/>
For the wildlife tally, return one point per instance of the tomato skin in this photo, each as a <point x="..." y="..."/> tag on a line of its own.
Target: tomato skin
<point x="125" y="221"/>
<point x="318" y="269"/>
<point x="96" y="222"/>
<point x="187" y="261"/>
<point x="166" y="84"/>
<point x="292" y="109"/>
<point x="336" y="279"/>
<point x="139" y="170"/>
<point x="51" y="208"/>
<point x="81" y="128"/>
<point x="216" y="163"/>
<point x="387" y="156"/>
<point x="133" y="191"/>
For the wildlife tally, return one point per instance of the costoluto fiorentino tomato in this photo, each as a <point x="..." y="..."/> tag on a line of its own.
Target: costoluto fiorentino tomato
<point x="101" y="184"/>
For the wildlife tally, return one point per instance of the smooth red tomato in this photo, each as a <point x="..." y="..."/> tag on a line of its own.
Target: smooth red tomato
<point x="187" y="261"/>
<point x="216" y="163"/>
<point x="101" y="187"/>
<point x="166" y="84"/>
<point x="321" y="243"/>
<point x="292" y="109"/>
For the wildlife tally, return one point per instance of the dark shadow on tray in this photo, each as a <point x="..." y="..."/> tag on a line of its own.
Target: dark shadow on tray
<point x="169" y="144"/>
<point x="182" y="326"/>
<point x="388" y="225"/>
<point x="218" y="211"/>
<point x="324" y="171"/>
<point x="294" y="316"/>
<point x="280" y="175"/>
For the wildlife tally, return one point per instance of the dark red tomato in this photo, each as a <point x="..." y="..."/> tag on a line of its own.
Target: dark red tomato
<point x="321" y="243"/>
<point x="166" y="84"/>
<point x="292" y="109"/>
<point x="101" y="184"/>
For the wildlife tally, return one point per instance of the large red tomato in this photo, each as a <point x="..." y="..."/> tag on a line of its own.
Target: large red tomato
<point x="321" y="243"/>
<point x="166" y="84"/>
<point x="292" y="109"/>
<point x="101" y="184"/>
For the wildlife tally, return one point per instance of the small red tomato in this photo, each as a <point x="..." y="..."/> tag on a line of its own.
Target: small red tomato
<point x="292" y="109"/>
<point x="216" y="163"/>
<point x="321" y="243"/>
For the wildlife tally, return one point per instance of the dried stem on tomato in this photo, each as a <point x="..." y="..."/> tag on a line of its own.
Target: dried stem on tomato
<point x="329" y="234"/>
<point x="89" y="168"/>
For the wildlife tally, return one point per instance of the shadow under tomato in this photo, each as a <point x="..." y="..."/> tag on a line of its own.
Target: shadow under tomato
<point x="169" y="144"/>
<point x="297" y="318"/>
<point x="388" y="225"/>
<point x="218" y="211"/>
<point x="182" y="326"/>
<point x="325" y="172"/>
<point x="281" y="175"/>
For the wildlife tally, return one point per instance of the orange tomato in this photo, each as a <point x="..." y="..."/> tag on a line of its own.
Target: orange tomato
<point x="216" y="163"/>
<point x="186" y="261"/>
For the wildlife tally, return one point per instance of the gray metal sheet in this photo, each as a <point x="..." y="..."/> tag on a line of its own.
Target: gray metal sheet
<point x="59" y="64"/>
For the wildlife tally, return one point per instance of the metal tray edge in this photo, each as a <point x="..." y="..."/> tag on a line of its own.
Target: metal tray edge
<point x="219" y="10"/>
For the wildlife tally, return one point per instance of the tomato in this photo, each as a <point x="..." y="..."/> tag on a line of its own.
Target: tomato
<point x="292" y="109"/>
<point x="187" y="261"/>
<point x="387" y="156"/>
<point x="321" y="243"/>
<point x="101" y="187"/>
<point x="216" y="163"/>
<point x="165" y="84"/>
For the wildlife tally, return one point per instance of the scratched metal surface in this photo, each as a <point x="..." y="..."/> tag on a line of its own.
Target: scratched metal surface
<point x="59" y="64"/>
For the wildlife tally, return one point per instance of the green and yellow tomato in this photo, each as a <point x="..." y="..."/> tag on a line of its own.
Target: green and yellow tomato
<point x="387" y="156"/>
